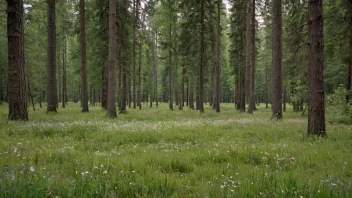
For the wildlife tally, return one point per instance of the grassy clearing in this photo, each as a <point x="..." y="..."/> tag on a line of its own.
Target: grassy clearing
<point x="159" y="153"/>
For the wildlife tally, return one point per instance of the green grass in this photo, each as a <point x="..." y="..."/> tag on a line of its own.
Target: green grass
<point x="162" y="153"/>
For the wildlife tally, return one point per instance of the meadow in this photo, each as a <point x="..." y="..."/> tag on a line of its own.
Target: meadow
<point x="155" y="152"/>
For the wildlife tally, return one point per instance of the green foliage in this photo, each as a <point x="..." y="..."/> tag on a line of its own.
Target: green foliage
<point x="340" y="111"/>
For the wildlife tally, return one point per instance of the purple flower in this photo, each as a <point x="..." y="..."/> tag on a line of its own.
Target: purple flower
<point x="6" y="169"/>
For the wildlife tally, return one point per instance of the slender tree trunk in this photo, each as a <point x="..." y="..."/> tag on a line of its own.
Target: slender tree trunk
<point x="155" y="68"/>
<point x="253" y="55"/>
<point x="187" y="91"/>
<point x="217" y="68"/>
<point x="112" y="60"/>
<point x="349" y="67"/>
<point x="82" y="14"/>
<point x="135" y="18"/>
<point x="64" y="73"/>
<point x="140" y="78"/>
<point x="30" y="95"/>
<point x="242" y="74"/>
<point x="202" y="59"/>
<point x="51" y="85"/>
<point x="316" y="108"/>
<point x="277" y="76"/>
<point x="171" y="105"/>
<point x="248" y="54"/>
<point x="190" y="95"/>
<point x="182" y="95"/>
<point x="266" y="88"/>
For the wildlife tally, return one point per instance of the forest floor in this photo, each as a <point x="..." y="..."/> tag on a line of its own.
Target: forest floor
<point x="163" y="153"/>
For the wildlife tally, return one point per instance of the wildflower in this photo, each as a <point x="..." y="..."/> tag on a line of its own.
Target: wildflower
<point x="31" y="168"/>
<point x="105" y="172"/>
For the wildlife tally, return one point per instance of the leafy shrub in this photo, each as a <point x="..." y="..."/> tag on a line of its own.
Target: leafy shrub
<point x="339" y="111"/>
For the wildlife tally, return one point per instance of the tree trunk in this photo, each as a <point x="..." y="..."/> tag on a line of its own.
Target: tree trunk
<point x="64" y="73"/>
<point x="155" y="68"/>
<point x="248" y="54"/>
<point x="1" y="86"/>
<point x="253" y="55"/>
<point x="242" y="75"/>
<point x="51" y="85"/>
<point x="112" y="60"/>
<point x="190" y="95"/>
<point x="82" y="14"/>
<point x="349" y="66"/>
<point x="16" y="72"/>
<point x="135" y="18"/>
<point x="217" y="68"/>
<point x="316" y="108"/>
<point x="140" y="78"/>
<point x="277" y="76"/>
<point x="202" y="59"/>
<point x="171" y="87"/>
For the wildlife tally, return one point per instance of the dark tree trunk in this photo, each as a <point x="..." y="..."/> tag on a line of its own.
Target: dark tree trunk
<point x="253" y="55"/>
<point x="182" y="95"/>
<point x="242" y="74"/>
<point x="155" y="68"/>
<point x="134" y="53"/>
<point x="171" y="77"/>
<point x="187" y="92"/>
<point x="277" y="76"/>
<point x="51" y="84"/>
<point x="104" y="88"/>
<point x="64" y="73"/>
<point x="316" y="108"/>
<point x="82" y="14"/>
<point x="202" y="59"/>
<point x="139" y="95"/>
<point x="248" y="54"/>
<point x="112" y="60"/>
<point x="217" y="68"/>
<point x="190" y="95"/>
<point x="16" y="72"/>
<point x="349" y="67"/>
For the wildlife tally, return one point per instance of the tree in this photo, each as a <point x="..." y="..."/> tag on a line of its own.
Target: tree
<point x="202" y="58"/>
<point x="51" y="82"/>
<point x="217" y="67"/>
<point x="248" y="53"/>
<point x="112" y="60"/>
<point x="277" y="76"/>
<point x="16" y="72"/>
<point x="82" y="14"/>
<point x="349" y="67"/>
<point x="316" y="106"/>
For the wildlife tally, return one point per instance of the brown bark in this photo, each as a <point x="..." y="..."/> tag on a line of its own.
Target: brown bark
<point x="242" y="77"/>
<point x="217" y="68"/>
<point x="16" y="72"/>
<point x="140" y="78"/>
<point x="349" y="66"/>
<point x="316" y="108"/>
<point x="51" y="84"/>
<point x="155" y="68"/>
<point x="64" y="73"/>
<point x="253" y="64"/>
<point x="135" y="18"/>
<point x="112" y="59"/>
<point x="248" y="53"/>
<point x="202" y="59"/>
<point x="171" y="77"/>
<point x="277" y="76"/>
<point x="82" y="14"/>
<point x="190" y="95"/>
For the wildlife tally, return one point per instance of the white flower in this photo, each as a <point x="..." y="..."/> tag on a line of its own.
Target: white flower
<point x="31" y="168"/>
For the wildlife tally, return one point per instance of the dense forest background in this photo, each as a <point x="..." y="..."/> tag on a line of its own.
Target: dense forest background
<point x="181" y="52"/>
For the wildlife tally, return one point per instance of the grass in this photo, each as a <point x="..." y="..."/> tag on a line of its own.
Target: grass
<point x="162" y="153"/>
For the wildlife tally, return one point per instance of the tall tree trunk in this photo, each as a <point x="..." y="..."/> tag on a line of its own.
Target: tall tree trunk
<point x="316" y="108"/>
<point x="217" y="68"/>
<point x="253" y="55"/>
<point x="202" y="59"/>
<point x="248" y="54"/>
<point x="16" y="72"/>
<point x="171" y="87"/>
<point x="140" y="78"/>
<point x="135" y="18"/>
<point x="349" y="67"/>
<point x="104" y="87"/>
<point x="64" y="73"/>
<point x="51" y="85"/>
<point x="82" y="14"/>
<point x="112" y="60"/>
<point x="242" y="74"/>
<point x="182" y="95"/>
<point x="155" y="67"/>
<point x="30" y="95"/>
<point x="277" y="76"/>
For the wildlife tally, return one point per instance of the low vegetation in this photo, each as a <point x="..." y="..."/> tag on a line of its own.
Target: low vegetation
<point x="159" y="153"/>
